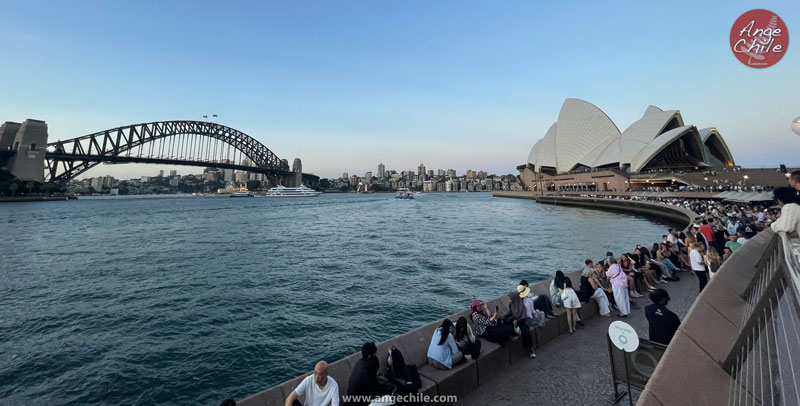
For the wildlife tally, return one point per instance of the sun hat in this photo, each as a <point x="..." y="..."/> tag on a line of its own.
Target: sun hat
<point x="523" y="291"/>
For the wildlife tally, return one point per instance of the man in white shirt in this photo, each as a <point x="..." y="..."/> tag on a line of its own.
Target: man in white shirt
<point x="672" y="237"/>
<point x="318" y="389"/>
<point x="698" y="264"/>
<point x="742" y="239"/>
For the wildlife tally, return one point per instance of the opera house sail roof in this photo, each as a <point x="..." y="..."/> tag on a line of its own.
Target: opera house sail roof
<point x="584" y="137"/>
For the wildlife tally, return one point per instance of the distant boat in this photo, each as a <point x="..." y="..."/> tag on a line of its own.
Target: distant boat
<point x="198" y="194"/>
<point x="242" y="194"/>
<point x="302" y="191"/>
<point x="404" y="193"/>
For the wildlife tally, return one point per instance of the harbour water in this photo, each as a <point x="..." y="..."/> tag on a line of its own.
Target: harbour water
<point x="191" y="300"/>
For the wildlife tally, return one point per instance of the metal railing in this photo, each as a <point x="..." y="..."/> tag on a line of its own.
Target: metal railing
<point x="764" y="364"/>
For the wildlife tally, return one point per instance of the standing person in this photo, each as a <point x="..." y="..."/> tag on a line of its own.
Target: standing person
<point x="699" y="264"/>
<point x="726" y="253"/>
<point x="707" y="232"/>
<point x="318" y="389"/>
<point x="569" y="298"/>
<point x="713" y="262"/>
<point x="794" y="182"/>
<point x="516" y="313"/>
<point x="466" y="341"/>
<point x="619" y="284"/>
<point x="364" y="377"/>
<point x="732" y="244"/>
<point x="443" y="352"/>
<point x="663" y="323"/>
<point x="789" y="221"/>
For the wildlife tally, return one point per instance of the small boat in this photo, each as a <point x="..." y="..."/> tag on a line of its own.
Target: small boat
<point x="242" y="194"/>
<point x="302" y="191"/>
<point x="404" y="193"/>
<point x="198" y="194"/>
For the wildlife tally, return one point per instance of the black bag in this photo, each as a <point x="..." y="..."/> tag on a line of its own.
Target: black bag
<point x="404" y="376"/>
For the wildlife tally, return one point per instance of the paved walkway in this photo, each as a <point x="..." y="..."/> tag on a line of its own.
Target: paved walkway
<point x="574" y="369"/>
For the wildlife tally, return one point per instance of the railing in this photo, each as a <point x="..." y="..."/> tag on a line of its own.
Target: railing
<point x="766" y="365"/>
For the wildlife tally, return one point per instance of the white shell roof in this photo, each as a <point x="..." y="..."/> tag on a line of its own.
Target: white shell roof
<point x="585" y="135"/>
<point x="582" y="127"/>
<point x="662" y="141"/>
<point x="705" y="136"/>
<point x="644" y="131"/>
<point x="547" y="151"/>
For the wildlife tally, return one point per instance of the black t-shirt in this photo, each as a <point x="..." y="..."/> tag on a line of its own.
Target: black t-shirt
<point x="663" y="323"/>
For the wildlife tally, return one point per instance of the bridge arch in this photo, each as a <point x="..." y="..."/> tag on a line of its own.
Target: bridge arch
<point x="197" y="143"/>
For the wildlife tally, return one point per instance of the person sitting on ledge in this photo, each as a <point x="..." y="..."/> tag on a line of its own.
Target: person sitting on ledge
<point x="789" y="221"/>
<point x="663" y="322"/>
<point x="520" y="320"/>
<point x="443" y="352"/>
<point x="538" y="317"/>
<point x="540" y="302"/>
<point x="466" y="341"/>
<point x="589" y="291"/>
<point x="364" y="377"/>
<point x="599" y="280"/>
<point x="318" y="389"/>
<point x="491" y="327"/>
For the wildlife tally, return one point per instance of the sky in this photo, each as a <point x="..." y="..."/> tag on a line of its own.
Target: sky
<point x="346" y="85"/>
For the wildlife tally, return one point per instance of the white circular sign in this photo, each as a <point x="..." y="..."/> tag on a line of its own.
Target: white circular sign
<point x="623" y="336"/>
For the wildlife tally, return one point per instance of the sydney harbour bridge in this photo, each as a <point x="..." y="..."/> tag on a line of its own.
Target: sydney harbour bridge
<point x="192" y="143"/>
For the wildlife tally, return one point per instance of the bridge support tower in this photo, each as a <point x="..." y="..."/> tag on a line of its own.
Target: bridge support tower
<point x="29" y="146"/>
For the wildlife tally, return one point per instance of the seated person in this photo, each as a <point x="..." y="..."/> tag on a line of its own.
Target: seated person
<point x="589" y="291"/>
<point x="538" y="317"/>
<point x="318" y="389"/>
<point x="443" y="352"/>
<point x="492" y="328"/>
<point x="518" y="317"/>
<point x="363" y="379"/>
<point x="540" y="302"/>
<point x="466" y="341"/>
<point x="663" y="322"/>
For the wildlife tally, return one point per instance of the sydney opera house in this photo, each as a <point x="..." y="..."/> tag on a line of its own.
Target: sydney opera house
<point x="584" y="149"/>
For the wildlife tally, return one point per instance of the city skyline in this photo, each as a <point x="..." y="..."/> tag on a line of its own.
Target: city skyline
<point x="337" y="85"/>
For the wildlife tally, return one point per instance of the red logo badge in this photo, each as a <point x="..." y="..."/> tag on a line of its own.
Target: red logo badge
<point x="759" y="38"/>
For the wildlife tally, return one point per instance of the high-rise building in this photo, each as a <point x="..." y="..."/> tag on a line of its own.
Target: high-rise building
<point x="161" y="173"/>
<point x="470" y="174"/>
<point x="421" y="171"/>
<point x="368" y="178"/>
<point x="97" y="183"/>
<point x="172" y="173"/>
<point x="451" y="173"/>
<point x="344" y="175"/>
<point x="440" y="172"/>
<point x="430" y="173"/>
<point x="381" y="171"/>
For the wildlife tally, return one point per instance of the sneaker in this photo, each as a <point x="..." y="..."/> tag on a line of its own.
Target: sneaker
<point x="467" y="357"/>
<point x="664" y="280"/>
<point x="532" y="354"/>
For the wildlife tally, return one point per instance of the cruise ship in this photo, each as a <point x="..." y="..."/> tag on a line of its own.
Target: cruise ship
<point x="302" y="191"/>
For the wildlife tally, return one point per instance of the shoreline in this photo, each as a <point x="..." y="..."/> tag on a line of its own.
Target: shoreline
<point x="36" y="199"/>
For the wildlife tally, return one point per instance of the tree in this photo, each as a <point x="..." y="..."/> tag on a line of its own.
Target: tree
<point x="13" y="188"/>
<point x="30" y="186"/>
<point x="253" y="184"/>
<point x="46" y="188"/>
<point x="324" y="183"/>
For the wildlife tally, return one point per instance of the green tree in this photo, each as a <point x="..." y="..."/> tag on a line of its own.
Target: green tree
<point x="324" y="183"/>
<point x="30" y="186"/>
<point x="13" y="188"/>
<point x="344" y="189"/>
<point x="253" y="184"/>
<point x="46" y="188"/>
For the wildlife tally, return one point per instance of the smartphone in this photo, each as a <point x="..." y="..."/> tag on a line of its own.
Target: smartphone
<point x="497" y="309"/>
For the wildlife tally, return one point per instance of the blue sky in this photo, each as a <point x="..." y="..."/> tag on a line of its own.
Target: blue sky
<point x="345" y="85"/>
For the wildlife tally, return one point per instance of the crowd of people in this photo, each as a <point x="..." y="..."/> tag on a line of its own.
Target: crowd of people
<point x="614" y="282"/>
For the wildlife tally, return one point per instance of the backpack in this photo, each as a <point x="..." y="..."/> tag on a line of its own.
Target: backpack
<point x="403" y="375"/>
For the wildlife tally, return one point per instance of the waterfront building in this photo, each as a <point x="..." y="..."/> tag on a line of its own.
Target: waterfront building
<point x="381" y="171"/>
<point x="172" y="173"/>
<point x="345" y="176"/>
<point x="161" y="173"/>
<point x="470" y="174"/>
<point x="585" y="149"/>
<point x="97" y="183"/>
<point x="421" y="171"/>
<point x="368" y="178"/>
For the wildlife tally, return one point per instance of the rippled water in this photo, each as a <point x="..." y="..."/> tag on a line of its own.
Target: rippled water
<point x="190" y="300"/>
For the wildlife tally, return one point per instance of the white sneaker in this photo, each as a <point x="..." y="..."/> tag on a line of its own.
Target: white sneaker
<point x="467" y="357"/>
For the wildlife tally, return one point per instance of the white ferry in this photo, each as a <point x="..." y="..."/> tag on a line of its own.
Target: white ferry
<point x="242" y="194"/>
<point x="302" y="191"/>
<point x="404" y="193"/>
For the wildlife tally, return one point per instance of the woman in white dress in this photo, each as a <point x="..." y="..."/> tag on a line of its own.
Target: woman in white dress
<point x="569" y="299"/>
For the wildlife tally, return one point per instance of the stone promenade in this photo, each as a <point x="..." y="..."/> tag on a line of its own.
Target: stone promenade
<point x="574" y="369"/>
